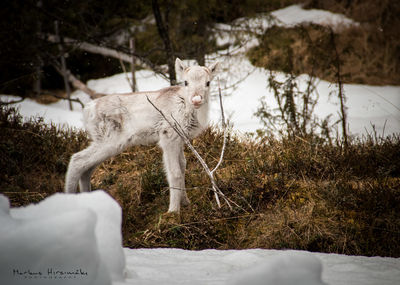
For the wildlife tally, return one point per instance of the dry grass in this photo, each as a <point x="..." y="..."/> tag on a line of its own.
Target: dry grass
<point x="34" y="156"/>
<point x="293" y="193"/>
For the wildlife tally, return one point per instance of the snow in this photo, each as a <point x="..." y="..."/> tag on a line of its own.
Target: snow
<point x="287" y="17"/>
<point x="368" y="106"/>
<point x="295" y="14"/>
<point x="286" y="268"/>
<point x="55" y="113"/>
<point x="65" y="232"/>
<point x="252" y="266"/>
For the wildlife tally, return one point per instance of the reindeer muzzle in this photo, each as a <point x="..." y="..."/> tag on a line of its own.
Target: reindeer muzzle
<point x="197" y="101"/>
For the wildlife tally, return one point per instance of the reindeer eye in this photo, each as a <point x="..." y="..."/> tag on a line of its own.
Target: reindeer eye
<point x="186" y="83"/>
<point x="208" y="83"/>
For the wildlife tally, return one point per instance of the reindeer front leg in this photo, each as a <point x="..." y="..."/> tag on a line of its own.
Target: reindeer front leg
<point x="173" y="163"/>
<point x="182" y="161"/>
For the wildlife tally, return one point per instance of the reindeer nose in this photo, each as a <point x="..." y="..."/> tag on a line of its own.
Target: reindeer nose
<point x="196" y="100"/>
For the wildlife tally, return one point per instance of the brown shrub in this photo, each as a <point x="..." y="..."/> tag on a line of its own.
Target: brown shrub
<point x="365" y="55"/>
<point x="34" y="156"/>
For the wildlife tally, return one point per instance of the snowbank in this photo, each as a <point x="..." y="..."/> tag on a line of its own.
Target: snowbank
<point x="249" y="267"/>
<point x="295" y="14"/>
<point x="300" y="268"/>
<point x="65" y="239"/>
<point x="56" y="113"/>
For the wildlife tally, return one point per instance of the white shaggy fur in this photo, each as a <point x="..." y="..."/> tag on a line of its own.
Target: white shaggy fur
<point x="117" y="121"/>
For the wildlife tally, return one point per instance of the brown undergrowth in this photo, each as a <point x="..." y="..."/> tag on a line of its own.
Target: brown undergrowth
<point x="369" y="51"/>
<point x="297" y="193"/>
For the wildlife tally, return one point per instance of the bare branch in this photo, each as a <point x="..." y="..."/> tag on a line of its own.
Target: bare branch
<point x="63" y="63"/>
<point x="69" y="99"/>
<point x="341" y="94"/>
<point x="126" y="75"/>
<point x="223" y="128"/>
<point x="92" y="48"/>
<point x="215" y="188"/>
<point x="108" y="52"/>
<point x="132" y="48"/>
<point x="76" y="82"/>
<point x="11" y="102"/>
<point x="180" y="131"/>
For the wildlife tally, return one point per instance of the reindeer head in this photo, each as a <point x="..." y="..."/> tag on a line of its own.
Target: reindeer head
<point x="197" y="81"/>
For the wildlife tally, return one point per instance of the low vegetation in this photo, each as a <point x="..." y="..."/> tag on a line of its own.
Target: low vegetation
<point x="368" y="52"/>
<point x="297" y="192"/>
<point x="312" y="49"/>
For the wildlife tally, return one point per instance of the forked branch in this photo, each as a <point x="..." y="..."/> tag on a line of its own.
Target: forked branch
<point x="223" y="128"/>
<point x="180" y="131"/>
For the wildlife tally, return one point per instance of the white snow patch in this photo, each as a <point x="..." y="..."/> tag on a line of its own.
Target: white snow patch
<point x="64" y="232"/>
<point x="146" y="80"/>
<point x="286" y="268"/>
<point x="226" y="34"/>
<point x="252" y="266"/>
<point x="295" y="14"/>
<point x="56" y="113"/>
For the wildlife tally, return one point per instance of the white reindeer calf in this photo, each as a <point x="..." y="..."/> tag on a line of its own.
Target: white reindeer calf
<point x="117" y="121"/>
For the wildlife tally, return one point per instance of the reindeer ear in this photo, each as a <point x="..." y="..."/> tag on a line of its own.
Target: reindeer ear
<point x="214" y="68"/>
<point x="179" y="67"/>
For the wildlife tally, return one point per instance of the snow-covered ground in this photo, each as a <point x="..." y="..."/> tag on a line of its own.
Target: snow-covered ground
<point x="368" y="106"/>
<point x="295" y="14"/>
<point x="76" y="238"/>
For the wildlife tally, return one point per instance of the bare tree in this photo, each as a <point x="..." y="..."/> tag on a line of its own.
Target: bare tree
<point x="162" y="27"/>
<point x="341" y="95"/>
<point x="76" y="82"/>
<point x="63" y="63"/>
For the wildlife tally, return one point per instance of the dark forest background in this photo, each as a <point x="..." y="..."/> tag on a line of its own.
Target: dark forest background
<point x="165" y="29"/>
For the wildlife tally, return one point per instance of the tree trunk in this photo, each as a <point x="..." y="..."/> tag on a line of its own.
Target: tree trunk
<point x="76" y="82"/>
<point x="63" y="64"/>
<point x="163" y="32"/>
<point x="132" y="49"/>
<point x="341" y="95"/>
<point x="37" y="84"/>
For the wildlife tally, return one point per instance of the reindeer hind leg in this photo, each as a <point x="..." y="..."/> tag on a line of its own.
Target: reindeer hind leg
<point x="84" y="182"/>
<point x="83" y="163"/>
<point x="76" y="168"/>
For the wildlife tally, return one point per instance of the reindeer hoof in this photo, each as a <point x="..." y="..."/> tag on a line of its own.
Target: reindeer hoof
<point x="185" y="202"/>
<point x="169" y="218"/>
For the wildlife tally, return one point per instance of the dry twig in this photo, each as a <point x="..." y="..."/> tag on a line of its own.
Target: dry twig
<point x="76" y="82"/>
<point x="180" y="131"/>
